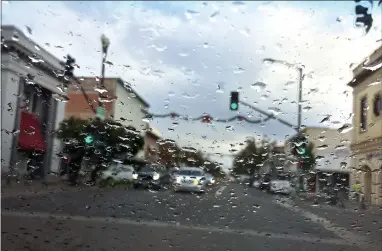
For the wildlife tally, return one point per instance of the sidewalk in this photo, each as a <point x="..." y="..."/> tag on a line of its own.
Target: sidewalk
<point x="366" y="222"/>
<point x="52" y="184"/>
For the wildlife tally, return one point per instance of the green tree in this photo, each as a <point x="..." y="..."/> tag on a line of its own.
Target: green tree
<point x="250" y="159"/>
<point x="169" y="153"/>
<point x="117" y="141"/>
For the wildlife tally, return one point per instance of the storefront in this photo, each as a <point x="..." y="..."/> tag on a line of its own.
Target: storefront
<point x="32" y="111"/>
<point x="368" y="170"/>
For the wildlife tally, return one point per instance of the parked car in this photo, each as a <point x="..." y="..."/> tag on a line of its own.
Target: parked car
<point x="119" y="172"/>
<point x="167" y="177"/>
<point x="280" y="187"/>
<point x="210" y="179"/>
<point x="191" y="179"/>
<point x="149" y="177"/>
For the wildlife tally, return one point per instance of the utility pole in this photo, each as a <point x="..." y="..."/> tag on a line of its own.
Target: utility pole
<point x="101" y="109"/>
<point x="299" y="69"/>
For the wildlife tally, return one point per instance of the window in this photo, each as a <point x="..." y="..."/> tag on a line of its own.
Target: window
<point x="363" y="113"/>
<point x="377" y="105"/>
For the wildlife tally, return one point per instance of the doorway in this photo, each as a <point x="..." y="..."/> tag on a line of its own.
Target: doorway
<point x="367" y="183"/>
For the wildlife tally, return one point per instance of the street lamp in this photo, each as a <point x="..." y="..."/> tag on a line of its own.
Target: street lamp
<point x="299" y="68"/>
<point x="105" y="42"/>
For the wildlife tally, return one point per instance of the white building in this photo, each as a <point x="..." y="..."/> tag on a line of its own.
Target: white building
<point x="331" y="148"/>
<point x="30" y="91"/>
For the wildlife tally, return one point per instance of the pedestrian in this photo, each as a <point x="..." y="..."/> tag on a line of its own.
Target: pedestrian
<point x="357" y="190"/>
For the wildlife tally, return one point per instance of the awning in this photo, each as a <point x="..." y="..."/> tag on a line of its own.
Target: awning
<point x="30" y="136"/>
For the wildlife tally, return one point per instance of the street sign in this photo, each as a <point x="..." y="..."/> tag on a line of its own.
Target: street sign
<point x="100" y="112"/>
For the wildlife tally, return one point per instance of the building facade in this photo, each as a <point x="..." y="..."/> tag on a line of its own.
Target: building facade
<point x="331" y="149"/>
<point x="121" y="104"/>
<point x="366" y="143"/>
<point x="31" y="96"/>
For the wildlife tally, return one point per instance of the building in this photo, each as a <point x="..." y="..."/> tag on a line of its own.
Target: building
<point x="366" y="143"/>
<point x="121" y="103"/>
<point x="331" y="148"/>
<point x="31" y="96"/>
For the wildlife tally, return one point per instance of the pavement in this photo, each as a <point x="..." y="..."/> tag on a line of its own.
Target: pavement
<point x="227" y="217"/>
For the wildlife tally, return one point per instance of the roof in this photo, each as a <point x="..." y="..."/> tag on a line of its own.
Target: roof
<point x="121" y="82"/>
<point x="360" y="73"/>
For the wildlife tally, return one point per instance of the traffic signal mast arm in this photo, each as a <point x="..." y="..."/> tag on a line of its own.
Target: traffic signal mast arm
<point x="270" y="115"/>
<point x="68" y="73"/>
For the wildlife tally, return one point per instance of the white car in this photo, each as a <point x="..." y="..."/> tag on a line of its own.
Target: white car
<point x="119" y="172"/>
<point x="280" y="187"/>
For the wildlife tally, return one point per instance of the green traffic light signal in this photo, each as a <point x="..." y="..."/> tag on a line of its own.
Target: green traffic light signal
<point x="234" y="106"/>
<point x="89" y="139"/>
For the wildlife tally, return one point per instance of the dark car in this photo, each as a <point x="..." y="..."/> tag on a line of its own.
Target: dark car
<point x="149" y="177"/>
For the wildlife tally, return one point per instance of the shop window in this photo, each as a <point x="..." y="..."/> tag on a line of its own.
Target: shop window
<point x="363" y="114"/>
<point x="377" y="105"/>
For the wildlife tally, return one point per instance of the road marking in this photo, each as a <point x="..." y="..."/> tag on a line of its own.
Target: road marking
<point x="159" y="224"/>
<point x="220" y="191"/>
<point x="350" y="237"/>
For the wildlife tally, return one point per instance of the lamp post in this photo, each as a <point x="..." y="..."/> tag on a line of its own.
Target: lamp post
<point x="105" y="42"/>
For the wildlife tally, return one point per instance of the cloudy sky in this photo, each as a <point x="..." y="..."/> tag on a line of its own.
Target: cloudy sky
<point x="188" y="56"/>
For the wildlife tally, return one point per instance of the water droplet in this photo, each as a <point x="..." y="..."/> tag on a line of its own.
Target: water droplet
<point x="307" y="108"/>
<point x="206" y="45"/>
<point x="264" y="97"/>
<point x="183" y="54"/>
<point x="345" y="128"/>
<point x="191" y="13"/>
<point x="238" y="70"/>
<point x="214" y="15"/>
<point x="339" y="19"/>
<point x="289" y="84"/>
<point x="160" y="49"/>
<point x="36" y="47"/>
<point x="246" y="32"/>
<point x="229" y="128"/>
<point x="274" y="110"/>
<point x="375" y="83"/>
<point x="258" y="86"/>
<point x="322" y="147"/>
<point x="60" y="98"/>
<point x="15" y="37"/>
<point x="373" y="67"/>
<point x="171" y="94"/>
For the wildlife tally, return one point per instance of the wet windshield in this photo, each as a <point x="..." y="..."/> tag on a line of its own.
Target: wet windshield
<point x="191" y="125"/>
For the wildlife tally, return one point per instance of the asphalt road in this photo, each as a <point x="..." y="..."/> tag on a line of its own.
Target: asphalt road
<point x="228" y="217"/>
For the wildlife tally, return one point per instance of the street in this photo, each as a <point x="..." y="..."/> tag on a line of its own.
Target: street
<point x="228" y="217"/>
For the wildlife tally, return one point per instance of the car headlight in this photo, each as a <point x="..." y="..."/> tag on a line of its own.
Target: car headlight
<point x="156" y="176"/>
<point x="135" y="176"/>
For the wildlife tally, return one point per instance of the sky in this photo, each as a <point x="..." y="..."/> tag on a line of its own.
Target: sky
<point x="188" y="56"/>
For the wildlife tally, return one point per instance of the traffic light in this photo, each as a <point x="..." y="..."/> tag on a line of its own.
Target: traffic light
<point x="69" y="66"/>
<point x="301" y="146"/>
<point x="234" y="104"/>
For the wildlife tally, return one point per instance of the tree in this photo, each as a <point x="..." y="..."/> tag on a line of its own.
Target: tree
<point x="169" y="153"/>
<point x="250" y="159"/>
<point x="191" y="157"/>
<point x="111" y="138"/>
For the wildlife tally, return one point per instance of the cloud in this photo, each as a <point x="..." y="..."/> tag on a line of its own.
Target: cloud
<point x="187" y="57"/>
